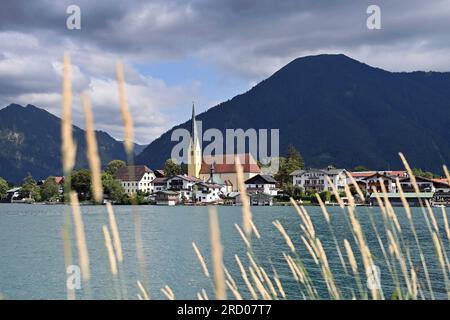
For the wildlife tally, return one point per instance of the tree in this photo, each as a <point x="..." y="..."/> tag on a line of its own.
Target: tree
<point x="424" y="174"/>
<point x="3" y="188"/>
<point x="293" y="191"/>
<point x="49" y="190"/>
<point x="171" y="168"/>
<point x="81" y="183"/>
<point x="114" y="166"/>
<point x="112" y="187"/>
<point x="292" y="162"/>
<point x="360" y="169"/>
<point x="29" y="189"/>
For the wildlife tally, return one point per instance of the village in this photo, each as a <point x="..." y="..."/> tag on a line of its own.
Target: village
<point x="214" y="180"/>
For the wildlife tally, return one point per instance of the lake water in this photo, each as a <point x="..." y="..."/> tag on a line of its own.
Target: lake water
<point x="32" y="256"/>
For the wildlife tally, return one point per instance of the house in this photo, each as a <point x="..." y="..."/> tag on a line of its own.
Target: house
<point x="392" y="173"/>
<point x="13" y="194"/>
<point x="159" y="183"/>
<point x="226" y="186"/>
<point x="225" y="168"/>
<point x="167" y="197"/>
<point x="205" y="192"/>
<point x="376" y="180"/>
<point x="262" y="184"/>
<point x="60" y="182"/>
<point x="184" y="185"/>
<point x="136" y="178"/>
<point x="412" y="198"/>
<point x="260" y="199"/>
<point x="315" y="179"/>
<point x="425" y="185"/>
<point x="232" y="198"/>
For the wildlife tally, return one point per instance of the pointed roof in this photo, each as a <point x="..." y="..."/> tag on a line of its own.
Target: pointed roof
<point x="194" y="134"/>
<point x="132" y="173"/>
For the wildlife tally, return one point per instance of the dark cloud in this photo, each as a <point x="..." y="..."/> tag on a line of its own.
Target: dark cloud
<point x="244" y="38"/>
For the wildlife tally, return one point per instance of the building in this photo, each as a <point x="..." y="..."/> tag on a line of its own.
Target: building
<point x="159" y="184"/>
<point x="392" y="173"/>
<point x="195" y="149"/>
<point x="136" y="178"/>
<point x="205" y="192"/>
<point x="184" y="185"/>
<point x="262" y="184"/>
<point x="316" y="179"/>
<point x="260" y="199"/>
<point x="425" y="185"/>
<point x="376" y="180"/>
<point x="225" y="168"/>
<point x="13" y="195"/>
<point x="413" y="199"/>
<point x="167" y="197"/>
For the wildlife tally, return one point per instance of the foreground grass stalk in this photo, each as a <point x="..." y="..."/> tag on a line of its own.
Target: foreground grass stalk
<point x="217" y="252"/>
<point x="92" y="151"/>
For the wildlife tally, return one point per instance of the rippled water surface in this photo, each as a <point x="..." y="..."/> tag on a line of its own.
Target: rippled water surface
<point x="32" y="256"/>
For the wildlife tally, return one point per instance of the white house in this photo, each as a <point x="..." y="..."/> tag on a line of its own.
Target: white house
<point x="378" y="179"/>
<point x="183" y="184"/>
<point x="262" y="184"/>
<point x="425" y="185"/>
<point x="208" y="192"/>
<point x="136" y="178"/>
<point x="315" y="179"/>
<point x="159" y="184"/>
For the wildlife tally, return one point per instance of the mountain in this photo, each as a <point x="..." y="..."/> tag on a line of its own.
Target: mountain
<point x="339" y="111"/>
<point x="30" y="141"/>
<point x="138" y="148"/>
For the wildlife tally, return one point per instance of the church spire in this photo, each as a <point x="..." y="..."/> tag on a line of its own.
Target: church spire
<point x="195" y="151"/>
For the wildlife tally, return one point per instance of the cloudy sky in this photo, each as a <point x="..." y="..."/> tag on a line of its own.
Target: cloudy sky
<point x="206" y="51"/>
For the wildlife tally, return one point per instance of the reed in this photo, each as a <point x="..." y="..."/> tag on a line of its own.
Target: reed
<point x="92" y="151"/>
<point x="115" y="232"/>
<point x="110" y="250"/>
<point x="217" y="252"/>
<point x="68" y="148"/>
<point x="80" y="236"/>
<point x="201" y="260"/>
<point x="246" y="213"/>
<point x="143" y="292"/>
<point x="124" y="110"/>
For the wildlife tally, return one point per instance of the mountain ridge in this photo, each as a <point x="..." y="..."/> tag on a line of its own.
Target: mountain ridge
<point x="30" y="141"/>
<point x="337" y="110"/>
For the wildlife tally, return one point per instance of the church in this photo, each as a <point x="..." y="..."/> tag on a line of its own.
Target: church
<point x="218" y="169"/>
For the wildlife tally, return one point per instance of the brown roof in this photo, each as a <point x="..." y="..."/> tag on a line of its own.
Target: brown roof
<point x="362" y="174"/>
<point x="187" y="178"/>
<point x="225" y="163"/>
<point x="132" y="173"/>
<point x="159" y="173"/>
<point x="161" y="180"/>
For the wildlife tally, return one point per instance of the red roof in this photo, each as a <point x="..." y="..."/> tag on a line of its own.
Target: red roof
<point x="225" y="163"/>
<point x="363" y="174"/>
<point x="58" y="180"/>
<point x="441" y="180"/>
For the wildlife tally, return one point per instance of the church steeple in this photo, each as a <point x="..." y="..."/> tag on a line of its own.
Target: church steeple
<point x="195" y="151"/>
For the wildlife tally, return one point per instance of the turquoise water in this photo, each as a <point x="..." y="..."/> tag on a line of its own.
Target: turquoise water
<point x="32" y="260"/>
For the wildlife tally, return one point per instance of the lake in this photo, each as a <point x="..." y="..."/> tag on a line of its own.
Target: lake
<point x="32" y="256"/>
